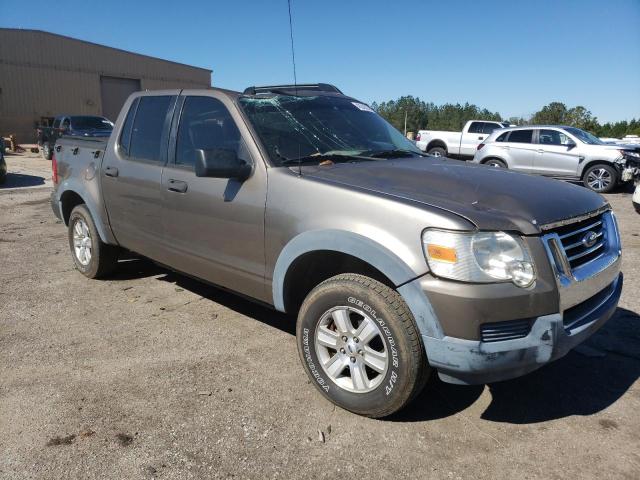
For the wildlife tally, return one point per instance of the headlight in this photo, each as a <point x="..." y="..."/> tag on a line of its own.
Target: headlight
<point x="629" y="153"/>
<point x="481" y="257"/>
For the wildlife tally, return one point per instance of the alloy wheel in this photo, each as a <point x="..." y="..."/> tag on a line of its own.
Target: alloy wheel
<point x="82" y="242"/>
<point x="599" y="179"/>
<point x="351" y="349"/>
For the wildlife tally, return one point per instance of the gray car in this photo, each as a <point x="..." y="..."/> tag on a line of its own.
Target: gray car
<point x="566" y="153"/>
<point x="395" y="263"/>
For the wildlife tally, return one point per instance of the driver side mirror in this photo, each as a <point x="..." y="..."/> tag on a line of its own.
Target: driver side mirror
<point x="571" y="145"/>
<point x="221" y="163"/>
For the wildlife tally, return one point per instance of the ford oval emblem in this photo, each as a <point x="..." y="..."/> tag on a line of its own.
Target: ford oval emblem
<point x="589" y="239"/>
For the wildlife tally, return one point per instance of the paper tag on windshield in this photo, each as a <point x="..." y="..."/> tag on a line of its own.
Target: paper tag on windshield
<point x="363" y="107"/>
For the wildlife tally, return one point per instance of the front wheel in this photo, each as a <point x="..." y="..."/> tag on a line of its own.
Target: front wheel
<point x="360" y="346"/>
<point x="495" y="163"/>
<point x="91" y="256"/>
<point x="601" y="178"/>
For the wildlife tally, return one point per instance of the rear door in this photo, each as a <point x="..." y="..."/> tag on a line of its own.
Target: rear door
<point x="132" y="174"/>
<point x="554" y="156"/>
<point x="214" y="226"/>
<point x="521" y="148"/>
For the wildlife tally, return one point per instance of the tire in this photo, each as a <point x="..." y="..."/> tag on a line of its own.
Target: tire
<point x="601" y="178"/>
<point x="496" y="163"/>
<point x="101" y="258"/>
<point x="46" y="151"/>
<point x="349" y="305"/>
<point x="437" y="152"/>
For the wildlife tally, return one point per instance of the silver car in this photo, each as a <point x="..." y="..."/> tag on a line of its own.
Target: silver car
<point x="567" y="153"/>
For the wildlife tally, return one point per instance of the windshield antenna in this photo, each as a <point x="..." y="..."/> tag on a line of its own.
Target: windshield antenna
<point x="293" y="53"/>
<point x="295" y="78"/>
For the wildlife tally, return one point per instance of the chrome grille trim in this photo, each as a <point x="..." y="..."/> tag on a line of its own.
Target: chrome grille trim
<point x="590" y="269"/>
<point x="583" y="229"/>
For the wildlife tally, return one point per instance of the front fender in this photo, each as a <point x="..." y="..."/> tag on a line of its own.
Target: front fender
<point x="368" y="250"/>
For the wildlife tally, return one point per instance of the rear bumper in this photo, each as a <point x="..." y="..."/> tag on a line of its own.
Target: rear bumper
<point x="475" y="362"/>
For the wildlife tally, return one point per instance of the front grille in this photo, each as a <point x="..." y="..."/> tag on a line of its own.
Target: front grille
<point x="509" y="330"/>
<point x="573" y="240"/>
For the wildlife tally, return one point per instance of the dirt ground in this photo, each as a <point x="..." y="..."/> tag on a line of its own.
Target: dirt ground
<point x="153" y="375"/>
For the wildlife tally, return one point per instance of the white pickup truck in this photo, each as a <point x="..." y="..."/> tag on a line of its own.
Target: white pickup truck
<point x="457" y="144"/>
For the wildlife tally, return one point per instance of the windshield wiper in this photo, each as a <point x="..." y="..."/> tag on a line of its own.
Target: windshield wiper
<point x="318" y="157"/>
<point x="396" y="153"/>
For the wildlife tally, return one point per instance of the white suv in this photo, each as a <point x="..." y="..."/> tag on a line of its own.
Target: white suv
<point x="567" y="153"/>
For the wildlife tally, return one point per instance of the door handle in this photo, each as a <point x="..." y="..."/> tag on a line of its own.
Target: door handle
<point x="540" y="150"/>
<point x="111" y="171"/>
<point x="480" y="138"/>
<point x="177" y="186"/>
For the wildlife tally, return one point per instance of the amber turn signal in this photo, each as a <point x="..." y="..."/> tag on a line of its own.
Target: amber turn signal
<point x="442" y="254"/>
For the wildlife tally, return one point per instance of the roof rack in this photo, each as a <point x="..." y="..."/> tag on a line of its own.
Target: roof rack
<point x="292" y="89"/>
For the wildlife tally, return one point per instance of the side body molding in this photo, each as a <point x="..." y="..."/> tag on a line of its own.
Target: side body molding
<point x="367" y="250"/>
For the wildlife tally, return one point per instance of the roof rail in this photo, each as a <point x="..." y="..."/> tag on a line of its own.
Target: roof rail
<point x="290" y="89"/>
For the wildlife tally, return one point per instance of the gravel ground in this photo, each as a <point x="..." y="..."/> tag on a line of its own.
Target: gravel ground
<point x="153" y="375"/>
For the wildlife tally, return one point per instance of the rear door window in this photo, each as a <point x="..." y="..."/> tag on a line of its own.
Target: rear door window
<point x="490" y="127"/>
<point x="521" y="136"/>
<point x="148" y="127"/>
<point x="476" y="127"/>
<point x="125" y="135"/>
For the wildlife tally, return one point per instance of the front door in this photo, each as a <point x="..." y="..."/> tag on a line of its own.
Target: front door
<point x="214" y="226"/>
<point x="132" y="175"/>
<point x="556" y="155"/>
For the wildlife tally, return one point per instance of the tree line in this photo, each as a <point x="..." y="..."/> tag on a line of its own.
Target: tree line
<point x="421" y="115"/>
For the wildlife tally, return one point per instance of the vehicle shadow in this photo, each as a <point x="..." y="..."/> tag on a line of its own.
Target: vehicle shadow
<point x="587" y="380"/>
<point x="20" y="180"/>
<point x="131" y="267"/>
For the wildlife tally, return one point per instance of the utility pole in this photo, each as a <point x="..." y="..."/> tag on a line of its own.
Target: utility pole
<point x="405" y="123"/>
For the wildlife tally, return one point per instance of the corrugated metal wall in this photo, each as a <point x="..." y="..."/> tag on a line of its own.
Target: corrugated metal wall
<point x="43" y="74"/>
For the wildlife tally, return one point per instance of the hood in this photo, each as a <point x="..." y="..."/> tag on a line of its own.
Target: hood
<point x="491" y="198"/>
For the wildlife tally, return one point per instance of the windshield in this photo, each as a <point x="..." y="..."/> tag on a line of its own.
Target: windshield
<point x="91" y="123"/>
<point x="585" y="137"/>
<point x="293" y="127"/>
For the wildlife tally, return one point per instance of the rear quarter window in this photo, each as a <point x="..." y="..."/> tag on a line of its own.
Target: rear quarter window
<point x="502" y="137"/>
<point x="521" y="136"/>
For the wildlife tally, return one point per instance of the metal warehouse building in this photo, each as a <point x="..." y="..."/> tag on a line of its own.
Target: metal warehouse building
<point x="43" y="74"/>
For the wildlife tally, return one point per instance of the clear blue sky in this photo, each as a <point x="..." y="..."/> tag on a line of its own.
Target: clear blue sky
<point x="510" y="56"/>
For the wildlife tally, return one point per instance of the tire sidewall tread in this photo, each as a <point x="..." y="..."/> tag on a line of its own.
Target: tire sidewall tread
<point x="408" y="368"/>
<point x="103" y="256"/>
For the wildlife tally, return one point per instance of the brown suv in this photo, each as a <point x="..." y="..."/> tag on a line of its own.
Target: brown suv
<point x="305" y="199"/>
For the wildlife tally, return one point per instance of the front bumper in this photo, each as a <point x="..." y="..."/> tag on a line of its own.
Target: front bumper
<point x="475" y="362"/>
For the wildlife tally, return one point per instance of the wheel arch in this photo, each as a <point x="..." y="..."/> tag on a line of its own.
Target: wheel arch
<point x="69" y="196"/>
<point x="593" y="163"/>
<point x="340" y="250"/>
<point x="437" y="143"/>
<point x="494" y="157"/>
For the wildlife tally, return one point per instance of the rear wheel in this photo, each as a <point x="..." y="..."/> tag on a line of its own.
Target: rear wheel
<point x="437" y="152"/>
<point x="494" y="162"/>
<point x="360" y="346"/>
<point x="601" y="178"/>
<point x="46" y="151"/>
<point x="91" y="256"/>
